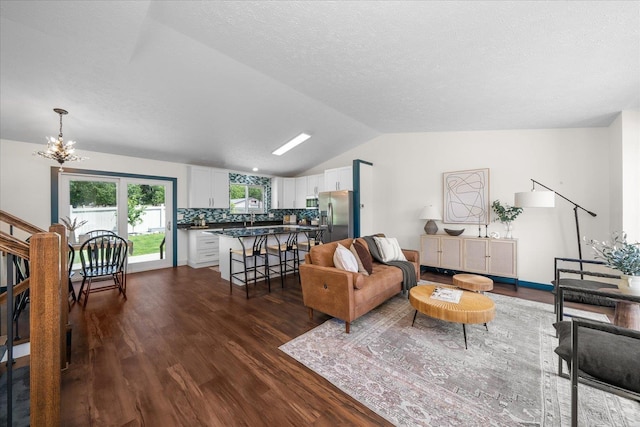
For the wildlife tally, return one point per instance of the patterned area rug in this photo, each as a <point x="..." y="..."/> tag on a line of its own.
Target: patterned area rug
<point x="423" y="375"/>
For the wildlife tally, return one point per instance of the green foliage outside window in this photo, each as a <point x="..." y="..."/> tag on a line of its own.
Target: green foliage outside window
<point x="100" y="193"/>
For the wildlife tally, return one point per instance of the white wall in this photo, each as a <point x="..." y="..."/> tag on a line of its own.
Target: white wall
<point x="615" y="176"/>
<point x="25" y="181"/>
<point x="631" y="174"/>
<point x="408" y="171"/>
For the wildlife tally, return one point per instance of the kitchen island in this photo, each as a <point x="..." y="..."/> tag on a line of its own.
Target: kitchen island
<point x="235" y="238"/>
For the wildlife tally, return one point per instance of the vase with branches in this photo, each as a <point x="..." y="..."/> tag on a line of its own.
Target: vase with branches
<point x="72" y="226"/>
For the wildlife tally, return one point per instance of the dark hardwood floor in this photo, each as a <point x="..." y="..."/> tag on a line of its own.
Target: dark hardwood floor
<point x="181" y="351"/>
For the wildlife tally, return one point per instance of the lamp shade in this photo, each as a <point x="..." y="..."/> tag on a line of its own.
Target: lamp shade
<point x="430" y="212"/>
<point x="535" y="199"/>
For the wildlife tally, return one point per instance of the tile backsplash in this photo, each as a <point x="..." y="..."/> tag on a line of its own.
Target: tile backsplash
<point x="217" y="215"/>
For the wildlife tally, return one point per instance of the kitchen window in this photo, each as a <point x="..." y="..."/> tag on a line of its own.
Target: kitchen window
<point x="244" y="198"/>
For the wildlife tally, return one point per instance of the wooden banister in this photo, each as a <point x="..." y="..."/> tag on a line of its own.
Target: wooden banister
<point x="19" y="223"/>
<point x="17" y="290"/>
<point x="47" y="254"/>
<point x="9" y="244"/>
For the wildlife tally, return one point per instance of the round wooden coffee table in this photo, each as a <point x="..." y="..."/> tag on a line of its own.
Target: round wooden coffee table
<point x="473" y="282"/>
<point x="473" y="307"/>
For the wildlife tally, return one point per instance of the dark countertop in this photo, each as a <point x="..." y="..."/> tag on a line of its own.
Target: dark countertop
<point x="262" y="231"/>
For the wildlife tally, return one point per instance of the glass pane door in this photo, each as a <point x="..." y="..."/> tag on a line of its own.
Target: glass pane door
<point x="140" y="214"/>
<point x="147" y="222"/>
<point x="90" y="203"/>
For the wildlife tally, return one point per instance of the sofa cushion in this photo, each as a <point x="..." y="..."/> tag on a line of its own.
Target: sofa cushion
<point x="596" y="358"/>
<point x="389" y="249"/>
<point x="384" y="276"/>
<point x="343" y="259"/>
<point x="364" y="255"/>
<point x="361" y="268"/>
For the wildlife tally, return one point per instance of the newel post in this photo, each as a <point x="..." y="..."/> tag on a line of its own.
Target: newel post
<point x="64" y="283"/>
<point x="45" y="296"/>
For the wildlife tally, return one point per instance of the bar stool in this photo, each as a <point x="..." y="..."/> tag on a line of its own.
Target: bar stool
<point x="314" y="238"/>
<point x="288" y="257"/>
<point x="255" y="264"/>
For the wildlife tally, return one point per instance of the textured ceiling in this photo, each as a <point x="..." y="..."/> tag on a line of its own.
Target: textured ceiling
<point x="225" y="83"/>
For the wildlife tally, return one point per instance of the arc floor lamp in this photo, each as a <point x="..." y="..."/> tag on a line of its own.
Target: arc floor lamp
<point x="546" y="199"/>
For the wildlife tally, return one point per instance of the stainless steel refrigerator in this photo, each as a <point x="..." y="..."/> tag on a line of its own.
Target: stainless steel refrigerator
<point x="336" y="212"/>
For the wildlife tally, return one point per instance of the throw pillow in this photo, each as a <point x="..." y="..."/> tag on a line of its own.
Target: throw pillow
<point x="361" y="268"/>
<point x="343" y="259"/>
<point x="389" y="249"/>
<point x="364" y="255"/>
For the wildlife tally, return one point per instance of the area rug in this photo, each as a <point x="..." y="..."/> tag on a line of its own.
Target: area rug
<point x="423" y="376"/>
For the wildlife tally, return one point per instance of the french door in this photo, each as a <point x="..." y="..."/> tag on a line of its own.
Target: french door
<point x="137" y="209"/>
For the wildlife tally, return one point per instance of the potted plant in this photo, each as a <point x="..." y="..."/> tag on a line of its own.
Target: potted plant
<point x="505" y="214"/>
<point x="622" y="256"/>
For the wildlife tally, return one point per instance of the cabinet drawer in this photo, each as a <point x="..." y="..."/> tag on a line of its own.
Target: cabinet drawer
<point x="207" y="256"/>
<point x="207" y="243"/>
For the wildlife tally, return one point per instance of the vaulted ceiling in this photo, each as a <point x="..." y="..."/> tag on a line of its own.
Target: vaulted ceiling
<point x="225" y="83"/>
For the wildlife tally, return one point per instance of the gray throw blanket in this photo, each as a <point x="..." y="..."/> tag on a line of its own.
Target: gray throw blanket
<point x="408" y="271"/>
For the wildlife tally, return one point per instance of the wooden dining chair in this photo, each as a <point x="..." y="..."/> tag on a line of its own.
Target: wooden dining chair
<point x="103" y="256"/>
<point x="72" y="257"/>
<point x="96" y="233"/>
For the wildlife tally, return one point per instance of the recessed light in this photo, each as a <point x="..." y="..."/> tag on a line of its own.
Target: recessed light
<point x="289" y="145"/>
<point x="255" y="169"/>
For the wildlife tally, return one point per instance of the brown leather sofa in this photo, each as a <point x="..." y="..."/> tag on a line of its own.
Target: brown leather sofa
<point x="344" y="294"/>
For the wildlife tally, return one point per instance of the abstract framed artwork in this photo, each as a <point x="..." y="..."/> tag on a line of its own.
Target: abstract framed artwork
<point x="466" y="197"/>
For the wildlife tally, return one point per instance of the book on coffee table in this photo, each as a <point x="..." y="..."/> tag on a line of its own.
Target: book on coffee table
<point x="447" y="294"/>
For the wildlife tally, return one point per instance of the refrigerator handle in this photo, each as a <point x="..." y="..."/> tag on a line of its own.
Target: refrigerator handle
<point x="330" y="217"/>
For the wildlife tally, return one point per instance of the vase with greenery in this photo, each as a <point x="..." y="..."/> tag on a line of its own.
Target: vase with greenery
<point x="622" y="256"/>
<point x="505" y="214"/>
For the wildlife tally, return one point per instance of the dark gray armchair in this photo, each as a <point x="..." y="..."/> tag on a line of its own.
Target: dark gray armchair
<point x="582" y="274"/>
<point x="606" y="358"/>
<point x="599" y="354"/>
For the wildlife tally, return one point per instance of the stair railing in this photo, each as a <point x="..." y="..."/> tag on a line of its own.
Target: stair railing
<point x="47" y="283"/>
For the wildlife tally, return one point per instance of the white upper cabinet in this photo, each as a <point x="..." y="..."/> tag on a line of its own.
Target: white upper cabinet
<point x="338" y="179"/>
<point x="315" y="184"/>
<point x="289" y="194"/>
<point x="300" y="201"/>
<point x="283" y="193"/>
<point x="276" y="189"/>
<point x="208" y="188"/>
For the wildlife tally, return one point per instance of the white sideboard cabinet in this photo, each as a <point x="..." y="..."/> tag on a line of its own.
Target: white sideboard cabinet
<point x="441" y="251"/>
<point x="493" y="257"/>
<point x="208" y="187"/>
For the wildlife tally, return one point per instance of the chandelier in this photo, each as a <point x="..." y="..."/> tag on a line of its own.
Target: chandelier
<point x="59" y="150"/>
